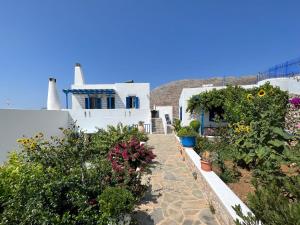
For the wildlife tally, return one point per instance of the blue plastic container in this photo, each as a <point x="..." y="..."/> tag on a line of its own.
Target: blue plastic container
<point x="188" y="142"/>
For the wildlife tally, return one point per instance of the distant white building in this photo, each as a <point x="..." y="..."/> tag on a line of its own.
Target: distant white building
<point x="99" y="105"/>
<point x="290" y="84"/>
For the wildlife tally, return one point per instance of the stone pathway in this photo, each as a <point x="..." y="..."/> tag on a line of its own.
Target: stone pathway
<point x="174" y="197"/>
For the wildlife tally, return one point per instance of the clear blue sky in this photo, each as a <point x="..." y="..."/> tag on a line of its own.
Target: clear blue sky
<point x="154" y="41"/>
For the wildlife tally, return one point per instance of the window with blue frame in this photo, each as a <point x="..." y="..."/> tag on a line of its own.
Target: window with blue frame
<point x="132" y="102"/>
<point x="180" y="113"/>
<point x="111" y="102"/>
<point x="93" y="103"/>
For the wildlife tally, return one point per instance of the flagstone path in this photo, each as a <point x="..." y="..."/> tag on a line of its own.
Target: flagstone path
<point x="174" y="197"/>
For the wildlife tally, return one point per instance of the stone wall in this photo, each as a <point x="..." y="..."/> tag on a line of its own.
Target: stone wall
<point x="292" y="119"/>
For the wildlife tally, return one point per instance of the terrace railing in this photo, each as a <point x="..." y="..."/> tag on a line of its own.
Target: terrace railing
<point x="287" y="69"/>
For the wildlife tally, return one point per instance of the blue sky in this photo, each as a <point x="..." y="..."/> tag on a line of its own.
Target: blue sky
<point x="154" y="41"/>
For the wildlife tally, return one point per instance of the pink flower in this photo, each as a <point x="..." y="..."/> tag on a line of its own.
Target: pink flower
<point x="125" y="155"/>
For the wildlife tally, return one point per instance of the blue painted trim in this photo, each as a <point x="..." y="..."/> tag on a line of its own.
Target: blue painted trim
<point x="67" y="101"/>
<point x="90" y="91"/>
<point x="202" y="122"/>
<point x="89" y="102"/>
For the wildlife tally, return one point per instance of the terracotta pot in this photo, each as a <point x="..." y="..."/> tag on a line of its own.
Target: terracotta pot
<point x="206" y="166"/>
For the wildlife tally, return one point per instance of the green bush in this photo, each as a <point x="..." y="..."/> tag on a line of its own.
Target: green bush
<point x="106" y="139"/>
<point x="115" y="203"/>
<point x="176" y="125"/>
<point x="274" y="204"/>
<point x="59" y="181"/>
<point x="195" y="124"/>
<point x="187" y="132"/>
<point x="203" y="144"/>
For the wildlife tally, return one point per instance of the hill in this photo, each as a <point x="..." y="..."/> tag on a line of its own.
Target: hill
<point x="168" y="94"/>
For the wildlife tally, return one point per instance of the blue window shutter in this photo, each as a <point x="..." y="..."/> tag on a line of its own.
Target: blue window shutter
<point x="86" y="103"/>
<point x="137" y="102"/>
<point x="112" y="102"/>
<point x="180" y="113"/>
<point x="99" y="103"/>
<point x="128" y="102"/>
<point x="108" y="103"/>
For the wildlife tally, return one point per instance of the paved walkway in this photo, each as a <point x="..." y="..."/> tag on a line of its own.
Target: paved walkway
<point x="174" y="196"/>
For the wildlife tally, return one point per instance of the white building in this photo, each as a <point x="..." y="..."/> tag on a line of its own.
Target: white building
<point x="99" y="105"/>
<point x="290" y="84"/>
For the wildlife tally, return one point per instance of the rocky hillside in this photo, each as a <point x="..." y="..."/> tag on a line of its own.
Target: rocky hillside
<point x="168" y="94"/>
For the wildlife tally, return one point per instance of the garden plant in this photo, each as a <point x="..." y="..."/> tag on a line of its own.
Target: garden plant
<point x="254" y="138"/>
<point x="74" y="179"/>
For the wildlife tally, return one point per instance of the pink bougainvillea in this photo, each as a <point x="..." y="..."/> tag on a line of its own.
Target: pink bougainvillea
<point x="130" y="155"/>
<point x="295" y="101"/>
<point x="292" y="117"/>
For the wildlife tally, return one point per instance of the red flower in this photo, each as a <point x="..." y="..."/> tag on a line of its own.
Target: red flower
<point x="125" y="155"/>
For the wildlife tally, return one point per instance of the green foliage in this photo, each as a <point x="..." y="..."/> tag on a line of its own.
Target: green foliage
<point x="106" y="139"/>
<point x="249" y="219"/>
<point x="262" y="143"/>
<point x="195" y="124"/>
<point x="176" y="125"/>
<point x="255" y="138"/>
<point x="203" y="144"/>
<point x="206" y="101"/>
<point x="273" y="204"/>
<point x="115" y="203"/>
<point x="187" y="132"/>
<point x="239" y="104"/>
<point x="60" y="181"/>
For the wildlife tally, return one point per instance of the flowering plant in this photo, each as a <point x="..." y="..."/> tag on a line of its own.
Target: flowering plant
<point x="295" y="101"/>
<point x="131" y="155"/>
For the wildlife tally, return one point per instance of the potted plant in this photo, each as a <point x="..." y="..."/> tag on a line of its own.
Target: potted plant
<point x="141" y="127"/>
<point x="206" y="161"/>
<point x="187" y="136"/>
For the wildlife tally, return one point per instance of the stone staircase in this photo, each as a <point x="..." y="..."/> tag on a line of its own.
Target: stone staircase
<point x="157" y="126"/>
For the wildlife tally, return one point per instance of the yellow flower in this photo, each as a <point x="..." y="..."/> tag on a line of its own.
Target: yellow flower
<point x="249" y="97"/>
<point x="261" y="93"/>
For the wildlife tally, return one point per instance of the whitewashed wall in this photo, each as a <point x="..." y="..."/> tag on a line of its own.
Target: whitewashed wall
<point x="123" y="90"/>
<point x="90" y="119"/>
<point x="16" y="123"/>
<point x="292" y="84"/>
<point x="163" y="110"/>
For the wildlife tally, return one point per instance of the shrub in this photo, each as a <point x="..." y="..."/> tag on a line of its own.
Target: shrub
<point x="105" y="139"/>
<point x="176" y="125"/>
<point x="195" y="124"/>
<point x="115" y="203"/>
<point x="273" y="204"/>
<point x="130" y="156"/>
<point x="187" y="132"/>
<point x="60" y="181"/>
<point x="203" y="144"/>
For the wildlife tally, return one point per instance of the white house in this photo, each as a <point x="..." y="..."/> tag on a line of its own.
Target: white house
<point x="290" y="84"/>
<point x="99" y="105"/>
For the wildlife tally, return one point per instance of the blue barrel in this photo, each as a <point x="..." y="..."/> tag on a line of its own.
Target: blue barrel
<point x="188" y="141"/>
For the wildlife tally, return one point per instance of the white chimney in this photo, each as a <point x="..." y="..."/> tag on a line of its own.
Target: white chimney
<point x="78" y="75"/>
<point x="53" y="102"/>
